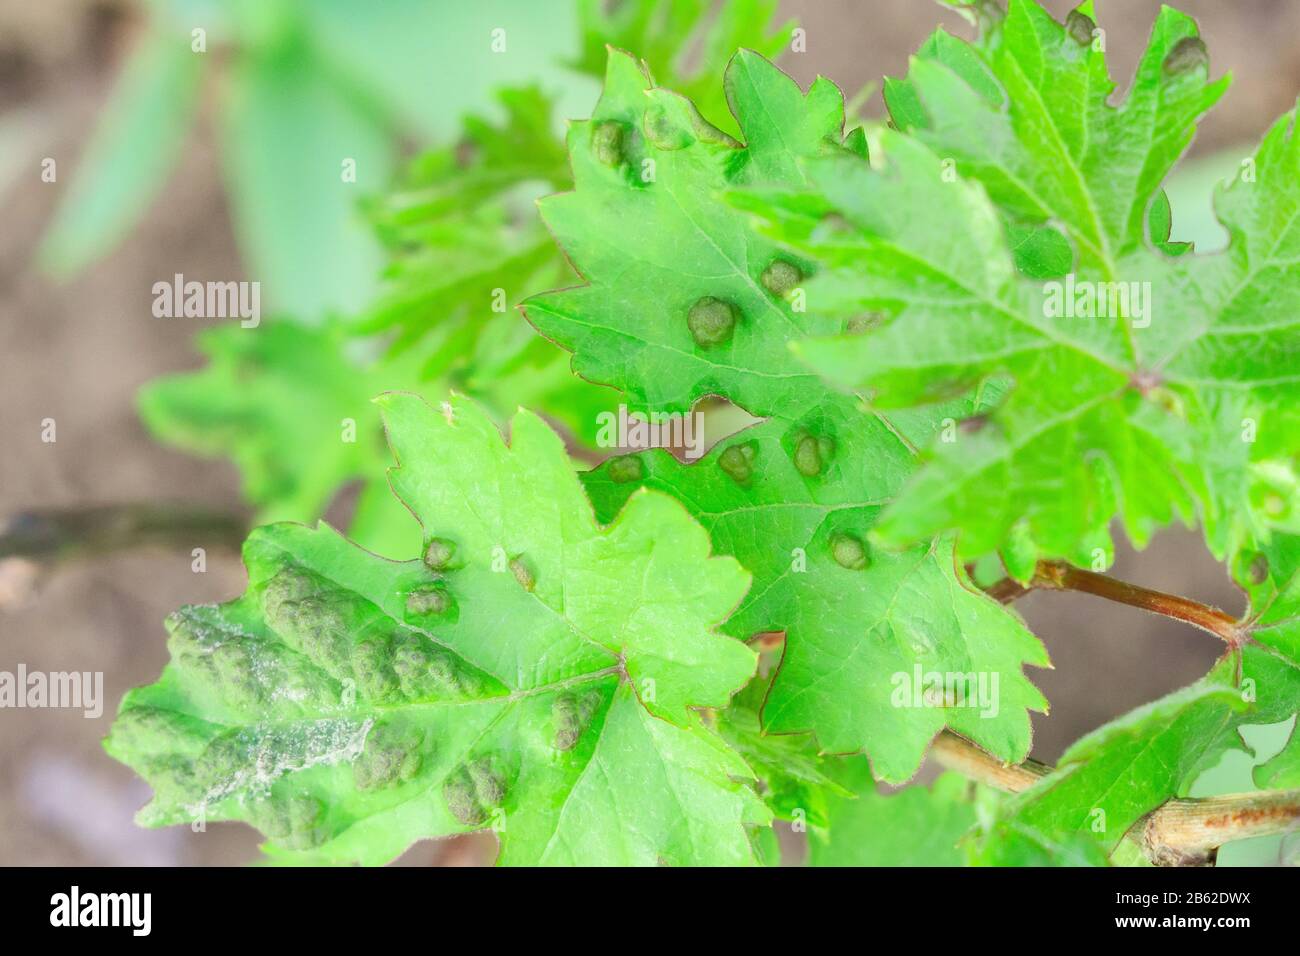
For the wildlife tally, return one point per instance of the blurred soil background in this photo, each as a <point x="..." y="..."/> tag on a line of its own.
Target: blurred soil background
<point x="77" y="351"/>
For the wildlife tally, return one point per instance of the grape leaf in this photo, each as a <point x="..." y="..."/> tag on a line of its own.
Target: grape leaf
<point x="276" y="397"/>
<point x="693" y="302"/>
<point x="155" y="101"/>
<point x="1267" y="662"/>
<point x="458" y="226"/>
<point x="1282" y="771"/>
<point x="917" y="826"/>
<point x="1108" y="780"/>
<point x="1027" y="112"/>
<point x="864" y="628"/>
<point x="536" y="673"/>
<point x="688" y="251"/>
<point x="793" y="779"/>
<point x="1012" y="843"/>
<point x="1148" y="410"/>
<point x="687" y="42"/>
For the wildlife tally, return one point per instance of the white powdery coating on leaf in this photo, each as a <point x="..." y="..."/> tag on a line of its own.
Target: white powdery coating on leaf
<point x="281" y="751"/>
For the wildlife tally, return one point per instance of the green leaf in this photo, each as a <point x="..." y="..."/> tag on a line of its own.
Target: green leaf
<point x="1111" y="778"/>
<point x="1027" y="112"/>
<point x="1263" y="663"/>
<point x="459" y="228"/>
<point x="693" y="302"/>
<point x="1011" y="843"/>
<point x="275" y="398"/>
<point x="536" y="672"/>
<point x="465" y="246"/>
<point x="1283" y="770"/>
<point x="685" y="42"/>
<point x="868" y="631"/>
<point x="916" y="826"/>
<point x="400" y="50"/>
<point x="793" y="779"/>
<point x="1267" y="662"/>
<point x="291" y="140"/>
<point x="863" y="642"/>
<point x="131" y="153"/>
<point x="1107" y="781"/>
<point x="659" y="362"/>
<point x="1134" y="403"/>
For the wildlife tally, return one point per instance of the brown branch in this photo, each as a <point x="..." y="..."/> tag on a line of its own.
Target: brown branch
<point x="1059" y="576"/>
<point x="1006" y="590"/>
<point x="1194" y="829"/>
<point x="32" y="543"/>
<point x="1185" y="832"/>
<point x="57" y="534"/>
<point x="958" y="753"/>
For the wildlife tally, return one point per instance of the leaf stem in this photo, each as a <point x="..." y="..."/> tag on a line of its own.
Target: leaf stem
<point x="1060" y="576"/>
<point x="1184" y="832"/>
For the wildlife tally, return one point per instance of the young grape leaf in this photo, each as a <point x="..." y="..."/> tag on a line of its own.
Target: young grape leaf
<point x="1027" y="111"/>
<point x="279" y="396"/>
<point x="693" y="302"/>
<point x="678" y="308"/>
<point x="155" y="101"/>
<point x="535" y="672"/>
<point x="867" y="630"/>
<point x="1111" y="778"/>
<point x="917" y="826"/>
<point x="793" y="779"/>
<point x="686" y="42"/>
<point x="461" y="225"/>
<point x="1141" y="381"/>
<point x="1267" y="662"/>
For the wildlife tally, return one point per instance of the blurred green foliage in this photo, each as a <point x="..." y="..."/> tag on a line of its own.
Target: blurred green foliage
<point x="408" y="286"/>
<point x="298" y="87"/>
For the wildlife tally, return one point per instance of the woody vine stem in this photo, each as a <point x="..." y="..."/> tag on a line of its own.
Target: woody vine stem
<point x="1059" y="576"/>
<point x="1184" y="832"/>
<point x="1180" y="832"/>
<point x="34" y="543"/>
